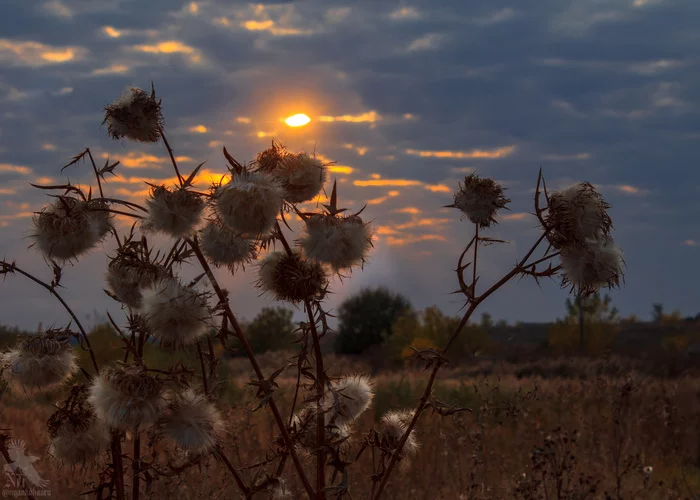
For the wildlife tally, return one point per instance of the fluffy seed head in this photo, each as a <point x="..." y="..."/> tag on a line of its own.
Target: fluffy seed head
<point x="127" y="275"/>
<point x="127" y="396"/>
<point x="70" y="227"/>
<point x="393" y="425"/>
<point x="588" y="267"/>
<point x="480" y="199"/>
<point x="302" y="177"/>
<point x="136" y="115"/>
<point x="249" y="203"/>
<point x="576" y="213"/>
<point x="38" y="363"/>
<point x="348" y="399"/>
<point x="175" y="213"/>
<point x="291" y="277"/>
<point x="77" y="436"/>
<point x="193" y="422"/>
<point x="176" y="315"/>
<point x="224" y="247"/>
<point x="279" y="490"/>
<point x="341" y="242"/>
<point x="304" y="425"/>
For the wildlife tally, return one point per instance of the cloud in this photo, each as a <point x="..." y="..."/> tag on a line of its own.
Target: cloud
<point x="36" y="54"/>
<point x="367" y="117"/>
<point x="476" y="153"/>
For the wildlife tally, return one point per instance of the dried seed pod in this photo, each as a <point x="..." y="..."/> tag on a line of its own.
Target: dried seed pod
<point x="480" y="199"/>
<point x="136" y="115"/>
<point x="175" y="213"/>
<point x="575" y="214"/>
<point x="127" y="396"/>
<point x="588" y="267"/>
<point x="249" y="203"/>
<point x="193" y="422"/>
<point x="393" y="426"/>
<point x="127" y="275"/>
<point x="291" y="277"/>
<point x="341" y="242"/>
<point x="348" y="399"/>
<point x="175" y="315"/>
<point x="70" y="227"/>
<point x="302" y="176"/>
<point x="304" y="426"/>
<point x="226" y="248"/>
<point x="39" y="363"/>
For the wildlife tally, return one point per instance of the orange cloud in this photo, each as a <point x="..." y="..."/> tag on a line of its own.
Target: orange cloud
<point x="18" y="169"/>
<point x="515" y="216"/>
<point x="340" y="169"/>
<point x="438" y="188"/>
<point x="475" y="153"/>
<point x="112" y="32"/>
<point x="199" y="129"/>
<point x="271" y="27"/>
<point x="388" y="182"/>
<point x="360" y="150"/>
<point x="243" y="119"/>
<point x="408" y="210"/>
<point x="114" y="69"/>
<point x="400" y="241"/>
<point x="630" y="189"/>
<point x="31" y="53"/>
<point x="422" y="223"/>
<point x="370" y="116"/>
<point x="169" y="47"/>
<point x="143" y="160"/>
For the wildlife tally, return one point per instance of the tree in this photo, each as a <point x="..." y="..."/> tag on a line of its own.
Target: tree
<point x="366" y="319"/>
<point x="591" y="323"/>
<point x="271" y="330"/>
<point x="659" y="317"/>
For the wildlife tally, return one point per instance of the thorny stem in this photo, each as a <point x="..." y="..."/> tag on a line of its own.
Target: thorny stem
<point x="473" y="304"/>
<point x="204" y="371"/>
<point x="244" y="342"/>
<point x="219" y="452"/>
<point x="118" y="472"/>
<point x="97" y="175"/>
<point x="6" y="266"/>
<point x="172" y="156"/>
<point x="256" y="367"/>
<point x="136" y="466"/>
<point x="8" y="459"/>
<point x="320" y="389"/>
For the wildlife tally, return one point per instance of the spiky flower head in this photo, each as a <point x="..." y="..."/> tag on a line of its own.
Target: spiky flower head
<point x="480" y="199"/>
<point x="302" y="176"/>
<point x="348" y="398"/>
<point x="249" y="203"/>
<point x="39" y="363"/>
<point x="175" y="213"/>
<point x="393" y="426"/>
<point x="136" y="115"/>
<point x="226" y="248"/>
<point x="589" y="266"/>
<point x="127" y="396"/>
<point x="576" y="213"/>
<point x="292" y="277"/>
<point x="127" y="275"/>
<point x="77" y="435"/>
<point x="193" y="422"/>
<point x="304" y="427"/>
<point x="176" y="315"/>
<point x="70" y="227"/>
<point x="341" y="242"/>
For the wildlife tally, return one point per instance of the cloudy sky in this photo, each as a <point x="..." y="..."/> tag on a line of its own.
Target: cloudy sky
<point x="406" y="97"/>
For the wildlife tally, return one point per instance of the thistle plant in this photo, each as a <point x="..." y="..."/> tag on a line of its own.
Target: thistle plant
<point x="119" y="419"/>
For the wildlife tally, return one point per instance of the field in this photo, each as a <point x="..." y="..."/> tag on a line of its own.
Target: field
<point x="600" y="431"/>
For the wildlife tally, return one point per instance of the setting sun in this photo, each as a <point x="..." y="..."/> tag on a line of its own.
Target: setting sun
<point x="298" y="120"/>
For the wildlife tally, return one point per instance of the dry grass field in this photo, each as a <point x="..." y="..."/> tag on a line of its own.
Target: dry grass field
<point x="590" y="436"/>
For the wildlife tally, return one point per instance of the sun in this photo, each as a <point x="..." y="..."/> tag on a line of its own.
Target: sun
<point x="298" y="120"/>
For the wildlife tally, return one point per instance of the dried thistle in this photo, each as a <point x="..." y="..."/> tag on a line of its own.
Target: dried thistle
<point x="224" y="247"/>
<point x="341" y="242"/>
<point x="302" y="176"/>
<point x="348" y="398"/>
<point x="291" y="277"/>
<point x="480" y="199"/>
<point x="589" y="266"/>
<point x="135" y="115"/>
<point x="249" y="203"/>
<point x="77" y="436"/>
<point x="176" y="213"/>
<point x="127" y="275"/>
<point x="39" y="363"/>
<point x="70" y="227"/>
<point x="304" y="426"/>
<point x="393" y="426"/>
<point x="575" y="214"/>
<point x="193" y="422"/>
<point x="127" y="396"/>
<point x="175" y="315"/>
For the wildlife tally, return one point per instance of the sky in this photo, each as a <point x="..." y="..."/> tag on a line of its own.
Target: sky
<point x="406" y="97"/>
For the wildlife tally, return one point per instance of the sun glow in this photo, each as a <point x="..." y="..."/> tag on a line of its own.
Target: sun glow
<point x="298" y="120"/>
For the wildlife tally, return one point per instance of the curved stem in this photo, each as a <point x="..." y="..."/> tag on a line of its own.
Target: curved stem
<point x="6" y="267"/>
<point x="256" y="367"/>
<point x="172" y="156"/>
<point x="94" y="168"/>
<point x="438" y="364"/>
